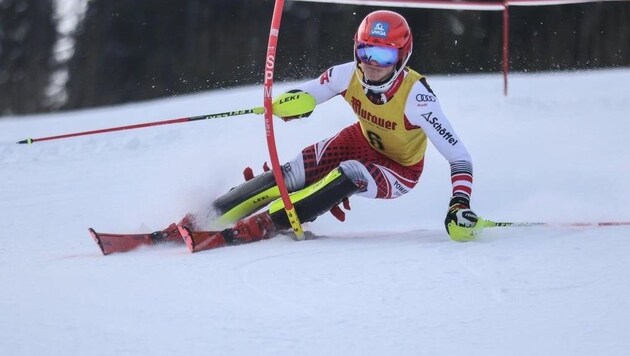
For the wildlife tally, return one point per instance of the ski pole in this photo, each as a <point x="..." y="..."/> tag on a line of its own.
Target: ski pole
<point x="257" y="110"/>
<point x="489" y="223"/>
<point x="462" y="234"/>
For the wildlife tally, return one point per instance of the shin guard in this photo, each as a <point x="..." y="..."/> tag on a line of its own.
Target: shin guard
<point x="316" y="199"/>
<point x="245" y="199"/>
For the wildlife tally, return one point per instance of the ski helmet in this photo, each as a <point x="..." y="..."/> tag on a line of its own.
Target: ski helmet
<point x="383" y="38"/>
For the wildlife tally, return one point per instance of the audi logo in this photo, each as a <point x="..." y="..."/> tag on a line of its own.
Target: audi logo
<point x="423" y="97"/>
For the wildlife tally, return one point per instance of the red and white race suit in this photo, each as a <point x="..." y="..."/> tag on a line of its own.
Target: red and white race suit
<point x="384" y="151"/>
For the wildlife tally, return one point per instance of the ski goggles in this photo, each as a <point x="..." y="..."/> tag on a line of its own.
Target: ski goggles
<point x="380" y="56"/>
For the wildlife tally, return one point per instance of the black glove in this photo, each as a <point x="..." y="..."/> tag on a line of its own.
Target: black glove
<point x="459" y="213"/>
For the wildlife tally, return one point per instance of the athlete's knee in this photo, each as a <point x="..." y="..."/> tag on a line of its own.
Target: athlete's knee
<point x="356" y="172"/>
<point x="294" y="173"/>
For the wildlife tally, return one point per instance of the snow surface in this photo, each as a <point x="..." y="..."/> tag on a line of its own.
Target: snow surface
<point x="388" y="281"/>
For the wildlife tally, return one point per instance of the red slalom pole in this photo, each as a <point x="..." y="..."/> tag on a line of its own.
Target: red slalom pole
<point x="270" y="61"/>
<point x="506" y="45"/>
<point x="258" y="110"/>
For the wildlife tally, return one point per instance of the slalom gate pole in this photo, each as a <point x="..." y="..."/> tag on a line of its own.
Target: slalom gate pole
<point x="489" y="223"/>
<point x="257" y="110"/>
<point x="270" y="61"/>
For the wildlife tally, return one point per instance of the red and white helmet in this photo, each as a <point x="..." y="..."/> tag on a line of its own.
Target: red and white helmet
<point x="386" y="30"/>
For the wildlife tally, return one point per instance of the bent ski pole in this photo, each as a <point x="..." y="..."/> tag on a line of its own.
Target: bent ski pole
<point x="257" y="110"/>
<point x="272" y="45"/>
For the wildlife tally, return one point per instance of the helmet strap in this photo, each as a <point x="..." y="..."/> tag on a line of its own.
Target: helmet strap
<point x="376" y="98"/>
<point x="383" y="98"/>
<point x="386" y="80"/>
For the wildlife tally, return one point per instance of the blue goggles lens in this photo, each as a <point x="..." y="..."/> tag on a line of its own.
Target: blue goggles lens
<point x="377" y="55"/>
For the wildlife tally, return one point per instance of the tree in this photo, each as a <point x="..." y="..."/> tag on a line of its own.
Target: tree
<point x="26" y="39"/>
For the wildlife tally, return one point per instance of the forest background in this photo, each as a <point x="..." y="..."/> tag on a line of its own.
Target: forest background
<point x="70" y="54"/>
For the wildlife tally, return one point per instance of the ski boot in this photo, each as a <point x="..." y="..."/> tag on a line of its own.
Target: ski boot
<point x="253" y="228"/>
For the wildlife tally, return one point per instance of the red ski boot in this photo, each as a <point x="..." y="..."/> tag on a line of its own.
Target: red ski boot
<point x="253" y="228"/>
<point x="171" y="233"/>
<point x="189" y="221"/>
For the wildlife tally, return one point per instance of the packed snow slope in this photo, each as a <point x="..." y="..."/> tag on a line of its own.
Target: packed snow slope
<point x="388" y="281"/>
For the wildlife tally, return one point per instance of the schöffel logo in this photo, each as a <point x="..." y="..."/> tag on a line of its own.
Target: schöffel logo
<point x="380" y="29"/>
<point x="435" y="122"/>
<point x="425" y="97"/>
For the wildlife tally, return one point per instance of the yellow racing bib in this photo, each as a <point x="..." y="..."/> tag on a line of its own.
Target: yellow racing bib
<point x="384" y="125"/>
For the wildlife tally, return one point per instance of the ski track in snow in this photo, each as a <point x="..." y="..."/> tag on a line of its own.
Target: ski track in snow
<point x="388" y="281"/>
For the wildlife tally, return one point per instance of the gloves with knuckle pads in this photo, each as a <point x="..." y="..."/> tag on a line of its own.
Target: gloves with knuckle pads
<point x="294" y="104"/>
<point x="459" y="213"/>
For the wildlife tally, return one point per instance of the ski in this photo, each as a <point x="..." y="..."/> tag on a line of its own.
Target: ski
<point x="115" y="243"/>
<point x="201" y="240"/>
<point x="205" y="240"/>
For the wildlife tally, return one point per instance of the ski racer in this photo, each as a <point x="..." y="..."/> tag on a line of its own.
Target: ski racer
<point x="381" y="156"/>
